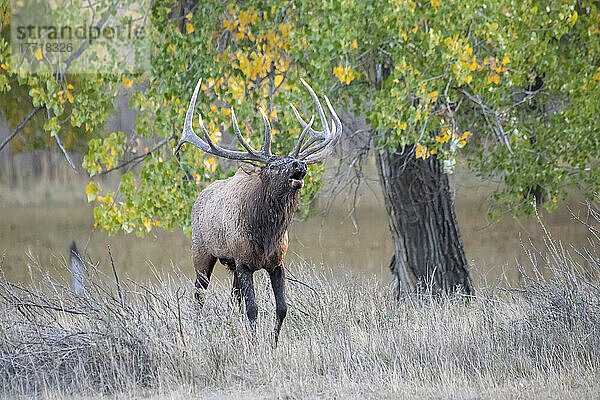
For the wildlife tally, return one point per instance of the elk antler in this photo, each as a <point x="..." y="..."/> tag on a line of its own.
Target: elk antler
<point x="320" y="143"/>
<point x="207" y="145"/>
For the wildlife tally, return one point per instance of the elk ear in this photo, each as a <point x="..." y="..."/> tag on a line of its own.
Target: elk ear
<point x="249" y="168"/>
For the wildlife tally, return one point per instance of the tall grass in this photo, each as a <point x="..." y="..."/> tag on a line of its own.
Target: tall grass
<point x="344" y="337"/>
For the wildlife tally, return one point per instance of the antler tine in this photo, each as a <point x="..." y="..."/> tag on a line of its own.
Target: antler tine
<point x="328" y="137"/>
<point x="317" y="134"/>
<point x="188" y="135"/>
<point x="267" y="147"/>
<point x="317" y="153"/>
<point x="302" y="137"/>
<point x="238" y="135"/>
<point x="208" y="146"/>
<point x="325" y="131"/>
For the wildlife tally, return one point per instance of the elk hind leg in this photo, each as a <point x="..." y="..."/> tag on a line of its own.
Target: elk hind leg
<point x="203" y="264"/>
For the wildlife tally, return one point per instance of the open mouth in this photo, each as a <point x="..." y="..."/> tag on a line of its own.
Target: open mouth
<point x="297" y="179"/>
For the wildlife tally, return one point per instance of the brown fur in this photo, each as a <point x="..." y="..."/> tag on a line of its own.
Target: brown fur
<point x="241" y="219"/>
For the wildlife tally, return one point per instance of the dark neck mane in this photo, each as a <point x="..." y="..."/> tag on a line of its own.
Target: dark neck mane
<point x="268" y="217"/>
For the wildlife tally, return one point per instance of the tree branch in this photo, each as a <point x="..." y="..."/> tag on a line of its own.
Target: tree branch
<point x="65" y="152"/>
<point x="497" y="128"/>
<point x="20" y="126"/>
<point x="140" y="157"/>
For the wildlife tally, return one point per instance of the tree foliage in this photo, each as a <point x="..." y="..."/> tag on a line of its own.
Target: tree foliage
<point x="510" y="87"/>
<point x="518" y="82"/>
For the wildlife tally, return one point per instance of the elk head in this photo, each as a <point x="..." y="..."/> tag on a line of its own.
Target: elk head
<point x="283" y="174"/>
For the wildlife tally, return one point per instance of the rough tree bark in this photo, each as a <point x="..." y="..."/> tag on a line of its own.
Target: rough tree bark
<point x="428" y="250"/>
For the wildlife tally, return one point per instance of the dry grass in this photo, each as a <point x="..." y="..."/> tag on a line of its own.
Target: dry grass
<point x="344" y="338"/>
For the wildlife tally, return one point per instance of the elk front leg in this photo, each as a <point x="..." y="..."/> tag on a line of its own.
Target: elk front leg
<point x="246" y="279"/>
<point x="236" y="290"/>
<point x="278" y="283"/>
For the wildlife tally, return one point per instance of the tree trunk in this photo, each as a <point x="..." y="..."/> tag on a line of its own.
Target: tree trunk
<point x="428" y="251"/>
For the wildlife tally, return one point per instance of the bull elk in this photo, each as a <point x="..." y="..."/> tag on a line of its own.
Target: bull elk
<point x="242" y="221"/>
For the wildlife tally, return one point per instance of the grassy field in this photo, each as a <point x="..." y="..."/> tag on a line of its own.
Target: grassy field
<point x="532" y="331"/>
<point x="343" y="338"/>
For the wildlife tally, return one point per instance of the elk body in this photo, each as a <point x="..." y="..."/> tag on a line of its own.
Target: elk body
<point x="242" y="221"/>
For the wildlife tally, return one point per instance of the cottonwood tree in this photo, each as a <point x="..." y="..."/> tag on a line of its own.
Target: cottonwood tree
<point x="511" y="87"/>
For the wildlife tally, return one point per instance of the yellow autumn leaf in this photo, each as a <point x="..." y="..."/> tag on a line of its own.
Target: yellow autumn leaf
<point x="210" y="165"/>
<point x="403" y="126"/>
<point x="127" y="83"/>
<point x="4" y="66"/>
<point x="354" y="44"/>
<point x="433" y="96"/>
<point x="505" y="60"/>
<point x="189" y="28"/>
<point x="38" y="54"/>
<point x="493" y="78"/>
<point x="443" y="138"/>
<point x="197" y="178"/>
<point x="435" y="3"/>
<point x="344" y="74"/>
<point x="228" y="25"/>
<point x="468" y="79"/>
<point x="147" y="224"/>
<point x="189" y="16"/>
<point x="285" y="30"/>
<point x="278" y="80"/>
<point x="70" y="97"/>
<point x="421" y="152"/>
<point x="90" y="190"/>
<point x="70" y="87"/>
